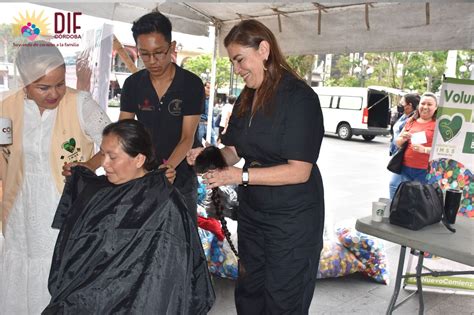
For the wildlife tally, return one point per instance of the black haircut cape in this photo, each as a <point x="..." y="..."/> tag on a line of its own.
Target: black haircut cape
<point x="129" y="248"/>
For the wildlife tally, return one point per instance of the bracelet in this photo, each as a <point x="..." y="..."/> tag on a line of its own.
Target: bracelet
<point x="245" y="176"/>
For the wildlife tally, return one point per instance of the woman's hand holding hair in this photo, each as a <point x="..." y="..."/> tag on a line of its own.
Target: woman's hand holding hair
<point x="192" y="155"/>
<point x="227" y="176"/>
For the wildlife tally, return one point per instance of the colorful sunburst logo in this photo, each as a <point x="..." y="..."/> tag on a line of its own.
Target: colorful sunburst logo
<point x="30" y="26"/>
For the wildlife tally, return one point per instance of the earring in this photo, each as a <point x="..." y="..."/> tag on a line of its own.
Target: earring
<point x="26" y="94"/>
<point x="264" y="68"/>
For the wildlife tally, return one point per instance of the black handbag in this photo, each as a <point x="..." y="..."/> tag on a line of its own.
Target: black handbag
<point x="416" y="205"/>
<point x="395" y="163"/>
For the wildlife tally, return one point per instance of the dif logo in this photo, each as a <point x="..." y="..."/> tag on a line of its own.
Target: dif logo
<point x="30" y="31"/>
<point x="30" y="25"/>
<point x="66" y="25"/>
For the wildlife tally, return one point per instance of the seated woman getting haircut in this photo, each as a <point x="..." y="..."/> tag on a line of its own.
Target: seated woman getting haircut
<point x="127" y="242"/>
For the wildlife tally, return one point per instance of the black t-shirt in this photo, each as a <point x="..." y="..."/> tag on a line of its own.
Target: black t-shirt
<point x="164" y="118"/>
<point x="293" y="131"/>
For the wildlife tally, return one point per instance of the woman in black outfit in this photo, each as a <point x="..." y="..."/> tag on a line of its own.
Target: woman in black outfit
<point x="277" y="127"/>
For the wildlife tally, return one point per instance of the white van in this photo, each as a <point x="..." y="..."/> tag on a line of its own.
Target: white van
<point x="356" y="111"/>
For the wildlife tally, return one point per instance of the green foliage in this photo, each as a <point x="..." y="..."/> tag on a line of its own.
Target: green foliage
<point x="465" y="58"/>
<point x="340" y="74"/>
<point x="303" y="65"/>
<point x="418" y="71"/>
<point x="198" y="65"/>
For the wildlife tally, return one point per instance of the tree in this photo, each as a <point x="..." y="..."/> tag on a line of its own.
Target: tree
<point x="466" y="59"/>
<point x="342" y="73"/>
<point x="198" y="65"/>
<point x="303" y="65"/>
<point x="418" y="71"/>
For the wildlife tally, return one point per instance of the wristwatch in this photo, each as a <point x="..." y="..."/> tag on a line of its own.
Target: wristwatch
<point x="245" y="176"/>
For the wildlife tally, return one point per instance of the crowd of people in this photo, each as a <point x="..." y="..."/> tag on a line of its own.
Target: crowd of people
<point x="127" y="241"/>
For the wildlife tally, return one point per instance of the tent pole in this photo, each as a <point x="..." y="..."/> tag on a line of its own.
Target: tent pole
<point x="212" y="93"/>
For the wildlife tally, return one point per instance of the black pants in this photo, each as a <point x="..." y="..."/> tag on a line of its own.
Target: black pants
<point x="278" y="265"/>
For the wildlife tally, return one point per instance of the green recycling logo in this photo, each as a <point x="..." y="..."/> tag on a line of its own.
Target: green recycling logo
<point x="449" y="128"/>
<point x="69" y="145"/>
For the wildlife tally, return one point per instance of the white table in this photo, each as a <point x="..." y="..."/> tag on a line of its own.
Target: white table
<point x="435" y="239"/>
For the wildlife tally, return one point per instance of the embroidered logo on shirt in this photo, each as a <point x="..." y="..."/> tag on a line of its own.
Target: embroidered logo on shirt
<point x="174" y="107"/>
<point x="255" y="164"/>
<point x="146" y="105"/>
<point x="75" y="152"/>
<point x="69" y="145"/>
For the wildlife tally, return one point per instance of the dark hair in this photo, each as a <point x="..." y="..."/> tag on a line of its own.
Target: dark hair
<point x="250" y="33"/>
<point x="231" y="99"/>
<point x="211" y="158"/>
<point x="134" y="139"/>
<point x="153" y="22"/>
<point x="413" y="99"/>
<point x="34" y="60"/>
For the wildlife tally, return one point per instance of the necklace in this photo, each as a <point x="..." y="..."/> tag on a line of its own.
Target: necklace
<point x="252" y="112"/>
<point x="250" y="120"/>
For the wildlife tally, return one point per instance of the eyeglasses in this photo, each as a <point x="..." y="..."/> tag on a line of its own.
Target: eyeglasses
<point x="159" y="55"/>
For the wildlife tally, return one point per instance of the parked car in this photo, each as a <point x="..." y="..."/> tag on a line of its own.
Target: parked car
<point x="352" y="111"/>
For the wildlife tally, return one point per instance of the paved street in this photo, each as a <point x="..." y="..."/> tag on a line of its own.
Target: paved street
<point x="354" y="174"/>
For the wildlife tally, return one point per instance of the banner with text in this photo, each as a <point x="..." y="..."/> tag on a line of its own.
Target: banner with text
<point x="451" y="166"/>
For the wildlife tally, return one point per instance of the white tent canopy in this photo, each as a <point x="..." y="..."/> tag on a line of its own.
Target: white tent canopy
<point x="303" y="27"/>
<point x="313" y="28"/>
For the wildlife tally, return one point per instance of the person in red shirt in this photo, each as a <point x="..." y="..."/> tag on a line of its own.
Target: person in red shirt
<point x="421" y="125"/>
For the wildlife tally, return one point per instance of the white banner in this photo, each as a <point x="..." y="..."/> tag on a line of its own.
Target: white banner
<point x="455" y="123"/>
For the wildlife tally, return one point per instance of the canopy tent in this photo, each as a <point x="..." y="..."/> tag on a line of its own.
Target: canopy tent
<point x="303" y="27"/>
<point x="314" y="28"/>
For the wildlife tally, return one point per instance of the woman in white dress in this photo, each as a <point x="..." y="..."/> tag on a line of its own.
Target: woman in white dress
<point x="53" y="125"/>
